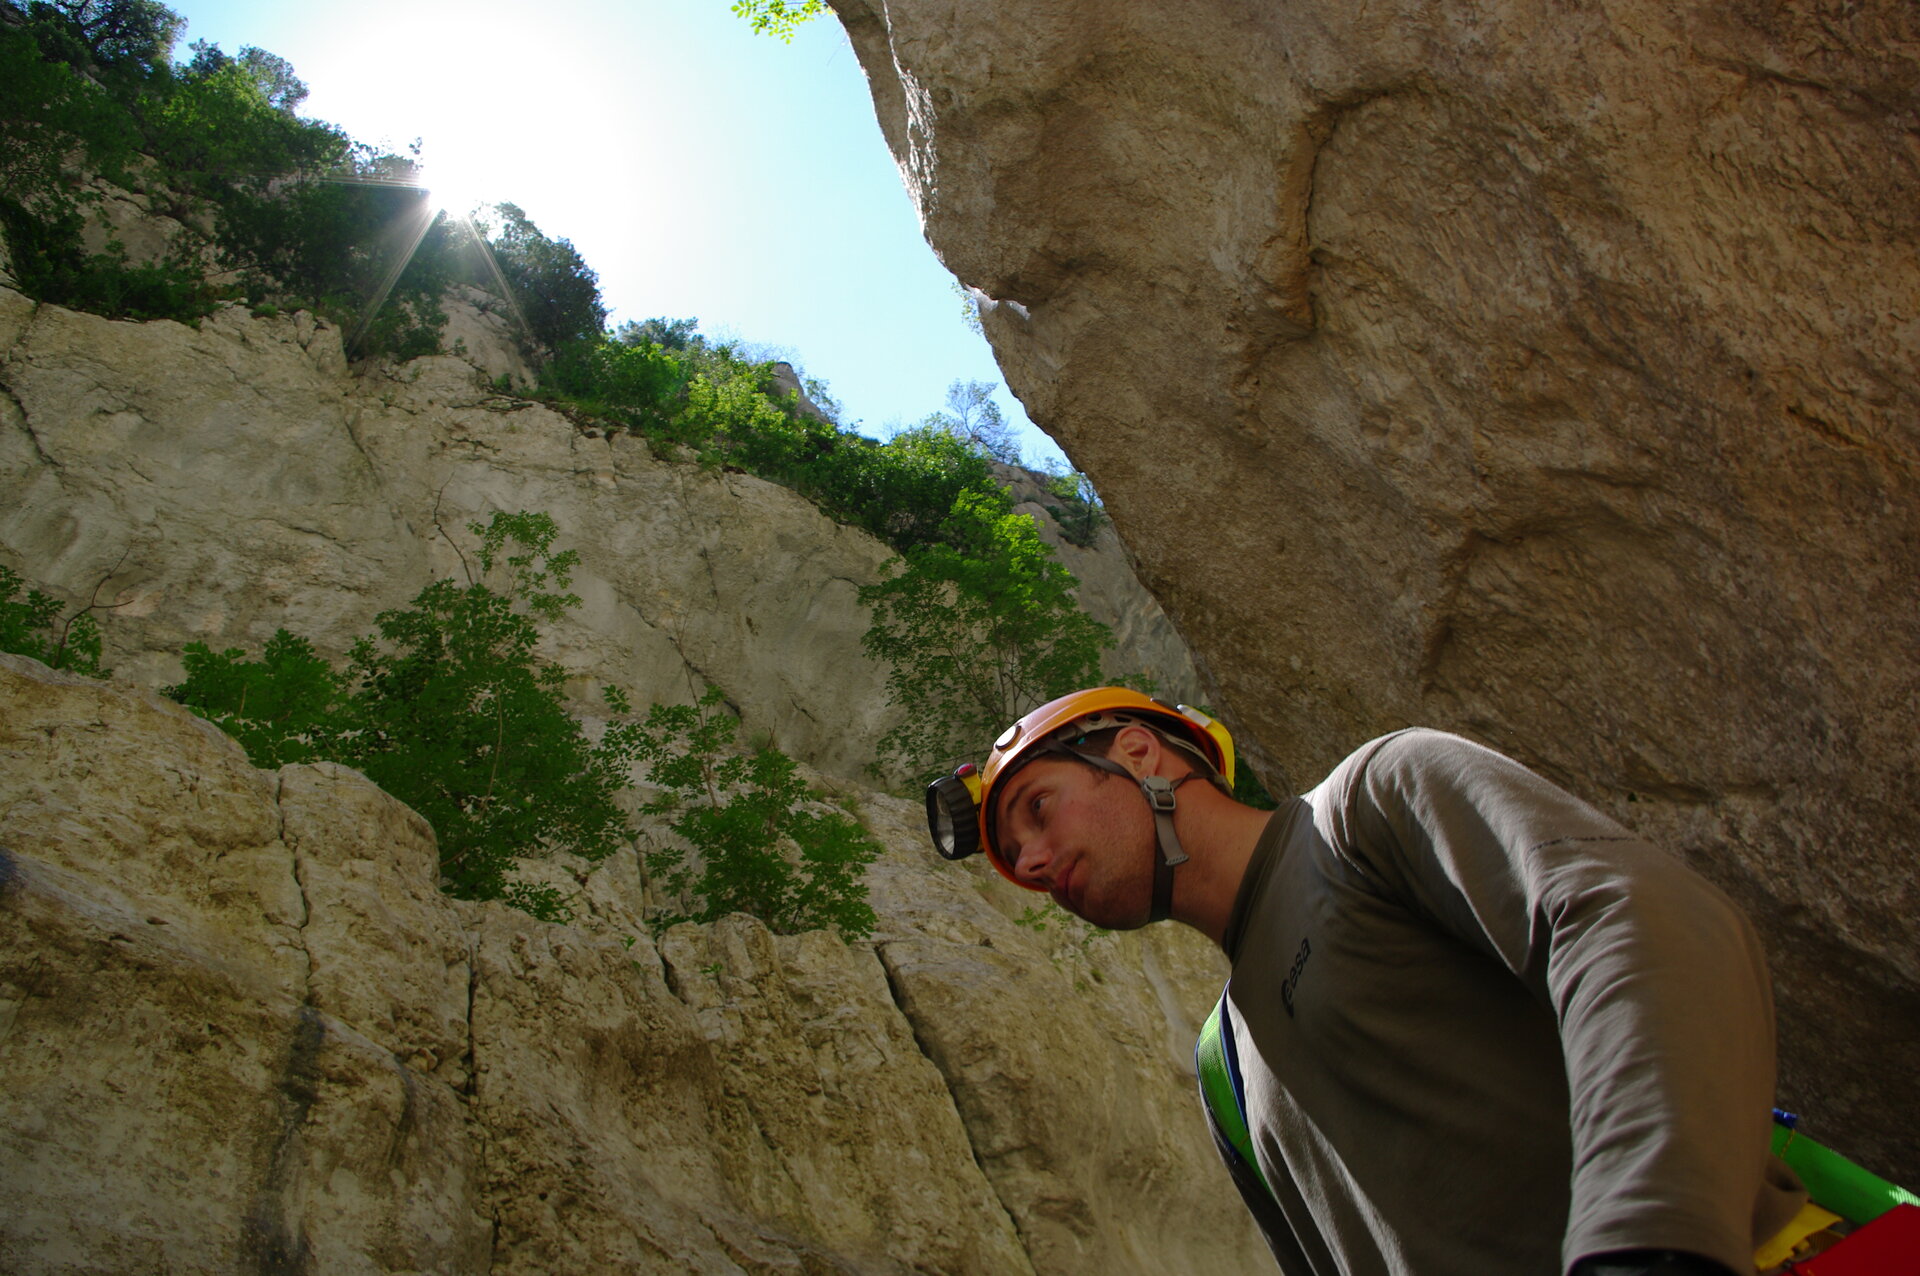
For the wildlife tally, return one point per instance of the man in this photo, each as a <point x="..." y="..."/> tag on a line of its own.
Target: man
<point x="1479" y="1027"/>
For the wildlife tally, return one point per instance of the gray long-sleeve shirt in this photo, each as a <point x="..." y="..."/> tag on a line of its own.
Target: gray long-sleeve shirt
<point x="1486" y="1030"/>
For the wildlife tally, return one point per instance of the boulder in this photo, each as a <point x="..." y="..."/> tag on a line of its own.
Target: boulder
<point x="1542" y="373"/>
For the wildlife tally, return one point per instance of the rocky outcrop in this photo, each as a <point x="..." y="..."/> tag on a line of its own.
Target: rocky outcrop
<point x="216" y="483"/>
<point x="1543" y="373"/>
<point x="243" y="1031"/>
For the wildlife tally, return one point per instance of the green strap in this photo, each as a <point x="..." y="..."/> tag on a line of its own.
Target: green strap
<point x="1834" y="1182"/>
<point x="1216" y="1087"/>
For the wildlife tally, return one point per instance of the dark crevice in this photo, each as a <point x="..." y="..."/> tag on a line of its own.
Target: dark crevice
<point x="470" y="1091"/>
<point x="272" y="1240"/>
<point x="472" y="1062"/>
<point x="26" y="428"/>
<point x="900" y="1001"/>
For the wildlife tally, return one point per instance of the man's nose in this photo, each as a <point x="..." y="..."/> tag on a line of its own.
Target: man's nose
<point x="1035" y="862"/>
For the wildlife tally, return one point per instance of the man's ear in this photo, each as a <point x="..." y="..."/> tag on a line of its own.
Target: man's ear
<point x="1136" y="749"/>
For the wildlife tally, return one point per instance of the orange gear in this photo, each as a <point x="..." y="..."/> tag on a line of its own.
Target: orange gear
<point x="967" y="796"/>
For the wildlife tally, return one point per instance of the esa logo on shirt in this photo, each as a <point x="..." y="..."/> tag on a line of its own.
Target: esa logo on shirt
<point x="1293" y="976"/>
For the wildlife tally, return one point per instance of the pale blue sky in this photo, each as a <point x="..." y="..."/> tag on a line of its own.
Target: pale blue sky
<point x="703" y="171"/>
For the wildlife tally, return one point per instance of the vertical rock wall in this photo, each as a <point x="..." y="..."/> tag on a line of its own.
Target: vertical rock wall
<point x="216" y="483"/>
<point x="1541" y="371"/>
<point x="242" y="1031"/>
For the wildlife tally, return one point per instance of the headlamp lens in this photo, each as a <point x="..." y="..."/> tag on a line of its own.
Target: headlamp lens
<point x="953" y="817"/>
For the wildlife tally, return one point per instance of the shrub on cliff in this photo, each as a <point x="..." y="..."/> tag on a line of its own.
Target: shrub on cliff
<point x="447" y="707"/>
<point x="756" y="846"/>
<point x="663" y="381"/>
<point x="557" y="292"/>
<point x="1079" y="513"/>
<point x="31" y="626"/>
<point x="976" y="632"/>
<point x="293" y="209"/>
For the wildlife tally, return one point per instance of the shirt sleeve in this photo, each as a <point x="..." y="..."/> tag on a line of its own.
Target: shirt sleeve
<point x="1656" y="980"/>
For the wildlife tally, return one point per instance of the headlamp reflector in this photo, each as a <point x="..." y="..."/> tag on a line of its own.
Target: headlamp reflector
<point x="953" y="813"/>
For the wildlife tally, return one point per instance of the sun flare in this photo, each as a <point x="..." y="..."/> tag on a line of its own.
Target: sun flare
<point x="453" y="188"/>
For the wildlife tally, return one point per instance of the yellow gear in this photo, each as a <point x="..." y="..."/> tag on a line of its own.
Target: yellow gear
<point x="960" y="807"/>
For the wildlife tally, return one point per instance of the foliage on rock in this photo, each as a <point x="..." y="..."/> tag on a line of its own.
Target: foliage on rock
<point x="30" y="626"/>
<point x="749" y="839"/>
<point x="558" y="294"/>
<point x="976" y="633"/>
<point x="662" y="380"/>
<point x="448" y="708"/>
<point x="1079" y="514"/>
<point x="266" y="207"/>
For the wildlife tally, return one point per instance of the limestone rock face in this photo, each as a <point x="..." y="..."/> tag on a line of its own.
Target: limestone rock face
<point x="242" y="1031"/>
<point x="215" y="484"/>
<point x="1546" y="374"/>
<point x="220" y="483"/>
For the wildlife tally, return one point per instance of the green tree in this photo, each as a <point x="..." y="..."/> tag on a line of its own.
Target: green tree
<point x="1080" y="512"/>
<point x="300" y="214"/>
<point x="137" y="34"/>
<point x="30" y="626"/>
<point x="638" y="384"/>
<point x="976" y="632"/>
<point x="756" y="847"/>
<point x="668" y="334"/>
<point x="976" y="420"/>
<point x="53" y="115"/>
<point x="288" y="706"/>
<point x="447" y="707"/>
<point x="273" y="74"/>
<point x="48" y="111"/>
<point x="556" y="291"/>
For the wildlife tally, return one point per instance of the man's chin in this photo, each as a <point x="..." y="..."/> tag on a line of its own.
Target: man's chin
<point x="1105" y="915"/>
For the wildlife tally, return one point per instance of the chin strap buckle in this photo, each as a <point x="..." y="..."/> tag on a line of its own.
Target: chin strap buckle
<point x="1159" y="793"/>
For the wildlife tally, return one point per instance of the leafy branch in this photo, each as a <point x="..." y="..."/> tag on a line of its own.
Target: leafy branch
<point x="778" y="18"/>
<point x="746" y="840"/>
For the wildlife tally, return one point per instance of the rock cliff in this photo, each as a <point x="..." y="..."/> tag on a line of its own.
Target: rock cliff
<point x="243" y="1031"/>
<point x="1541" y="372"/>
<point x="216" y="483"/>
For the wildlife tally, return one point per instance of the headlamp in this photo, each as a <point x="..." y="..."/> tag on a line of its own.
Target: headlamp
<point x="953" y="812"/>
<point x="1222" y="738"/>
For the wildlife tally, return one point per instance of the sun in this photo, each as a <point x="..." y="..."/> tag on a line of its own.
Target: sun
<point x="455" y="184"/>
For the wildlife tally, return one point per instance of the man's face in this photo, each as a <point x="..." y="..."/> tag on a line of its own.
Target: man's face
<point x="1083" y="835"/>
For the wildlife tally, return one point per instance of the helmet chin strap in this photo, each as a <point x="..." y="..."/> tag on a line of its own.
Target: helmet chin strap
<point x="1159" y="794"/>
<point x="1158" y="790"/>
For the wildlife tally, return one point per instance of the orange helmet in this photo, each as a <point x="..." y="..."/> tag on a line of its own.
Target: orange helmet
<point x="960" y="811"/>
